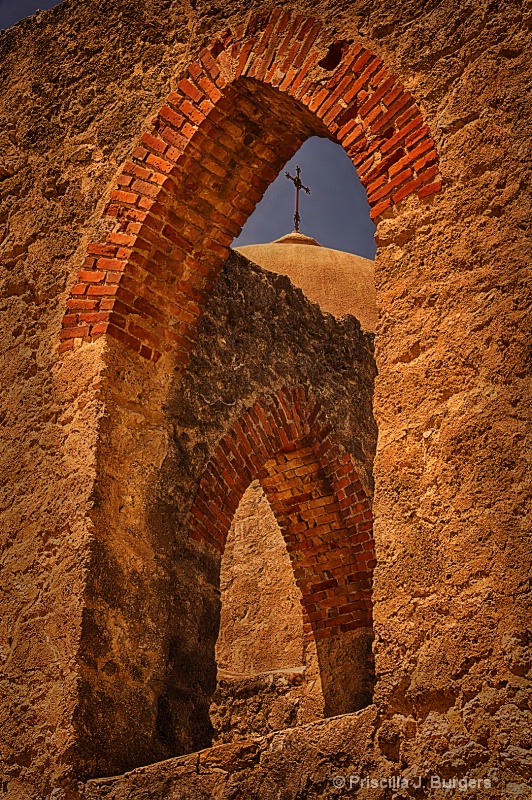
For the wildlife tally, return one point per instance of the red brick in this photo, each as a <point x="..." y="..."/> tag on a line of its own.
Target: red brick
<point x="81" y="305"/>
<point x="372" y="187"/>
<point x="347" y="122"/>
<point x="96" y="316"/>
<point x="428" y="174"/>
<point x="124" y="197"/>
<point x="422" y="147"/>
<point x="381" y="75"/>
<point x="105" y="290"/>
<point x="154" y="143"/>
<point x="393" y="95"/>
<point x="408" y="159"/>
<point x="143" y="335"/>
<point x="195" y="70"/>
<point x="146" y="189"/>
<point x="111" y="264"/>
<point x="171" y="117"/>
<point x="189" y="89"/>
<point x="406" y="115"/>
<point x="308" y="42"/>
<point x="136" y="170"/>
<point x="75" y="333"/>
<point x="417" y="135"/>
<point x="191" y="112"/>
<point x="345" y="68"/>
<point x="79" y="288"/>
<point x="91" y="276"/>
<point x="124" y="337"/>
<point x="397" y="181"/>
<point x="378" y="209"/>
<point x="177" y="141"/>
<point x="393" y="140"/>
<point x="394" y="109"/>
<point x="427" y="160"/>
<point x="407" y="189"/>
<point x="362" y="60"/>
<point x="362" y="80"/>
<point x="140" y="153"/>
<point x="121" y="239"/>
<point x="430" y="188"/>
<point x="101" y="249"/>
<point x="353" y="136"/>
<point x="374" y="98"/>
<point x="99" y="328"/>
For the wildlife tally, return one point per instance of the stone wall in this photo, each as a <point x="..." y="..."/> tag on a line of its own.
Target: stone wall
<point x="300" y="762"/>
<point x="83" y="433"/>
<point x="147" y="660"/>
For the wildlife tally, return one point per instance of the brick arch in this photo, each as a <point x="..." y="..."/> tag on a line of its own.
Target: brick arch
<point x="248" y="103"/>
<point x="286" y="441"/>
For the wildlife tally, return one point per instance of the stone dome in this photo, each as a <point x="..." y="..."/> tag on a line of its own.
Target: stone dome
<point x="341" y="283"/>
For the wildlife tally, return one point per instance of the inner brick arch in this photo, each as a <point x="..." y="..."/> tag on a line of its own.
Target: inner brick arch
<point x="286" y="442"/>
<point x="248" y="103"/>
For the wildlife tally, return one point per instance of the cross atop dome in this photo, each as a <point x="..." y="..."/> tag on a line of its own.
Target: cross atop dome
<point x="297" y="183"/>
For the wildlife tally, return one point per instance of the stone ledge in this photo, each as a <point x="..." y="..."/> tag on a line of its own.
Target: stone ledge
<point x="303" y="758"/>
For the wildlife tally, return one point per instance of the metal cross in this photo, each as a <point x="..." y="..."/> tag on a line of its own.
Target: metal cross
<point x="297" y="183"/>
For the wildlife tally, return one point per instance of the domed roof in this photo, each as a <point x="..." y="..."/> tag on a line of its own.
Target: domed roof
<point x="341" y="283"/>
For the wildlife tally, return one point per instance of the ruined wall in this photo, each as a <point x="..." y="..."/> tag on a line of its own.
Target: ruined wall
<point x="152" y="598"/>
<point x="257" y="330"/>
<point x="453" y="651"/>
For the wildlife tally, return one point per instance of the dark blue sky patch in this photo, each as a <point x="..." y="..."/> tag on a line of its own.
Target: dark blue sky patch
<point x="12" y="11"/>
<point x="336" y="212"/>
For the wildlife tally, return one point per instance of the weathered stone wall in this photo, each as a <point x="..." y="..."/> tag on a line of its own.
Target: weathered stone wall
<point x="250" y="706"/>
<point x="291" y="764"/>
<point x="80" y="84"/>
<point x="151" y="616"/>
<point x="257" y="330"/>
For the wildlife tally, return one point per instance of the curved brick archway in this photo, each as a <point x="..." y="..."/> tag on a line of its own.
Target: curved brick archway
<point x="324" y="514"/>
<point x="286" y="441"/>
<point x="247" y="105"/>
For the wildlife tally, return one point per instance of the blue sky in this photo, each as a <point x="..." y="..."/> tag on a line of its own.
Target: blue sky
<point x="12" y="11"/>
<point x="336" y="213"/>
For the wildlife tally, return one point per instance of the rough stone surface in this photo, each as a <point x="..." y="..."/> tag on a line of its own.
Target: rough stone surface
<point x="299" y="762"/>
<point x="244" y="707"/>
<point x="85" y="435"/>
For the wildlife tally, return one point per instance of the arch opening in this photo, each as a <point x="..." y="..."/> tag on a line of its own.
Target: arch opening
<point x="336" y="213"/>
<point x="216" y="145"/>
<point x="267" y="671"/>
<point x="324" y="515"/>
<point x="180" y="200"/>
